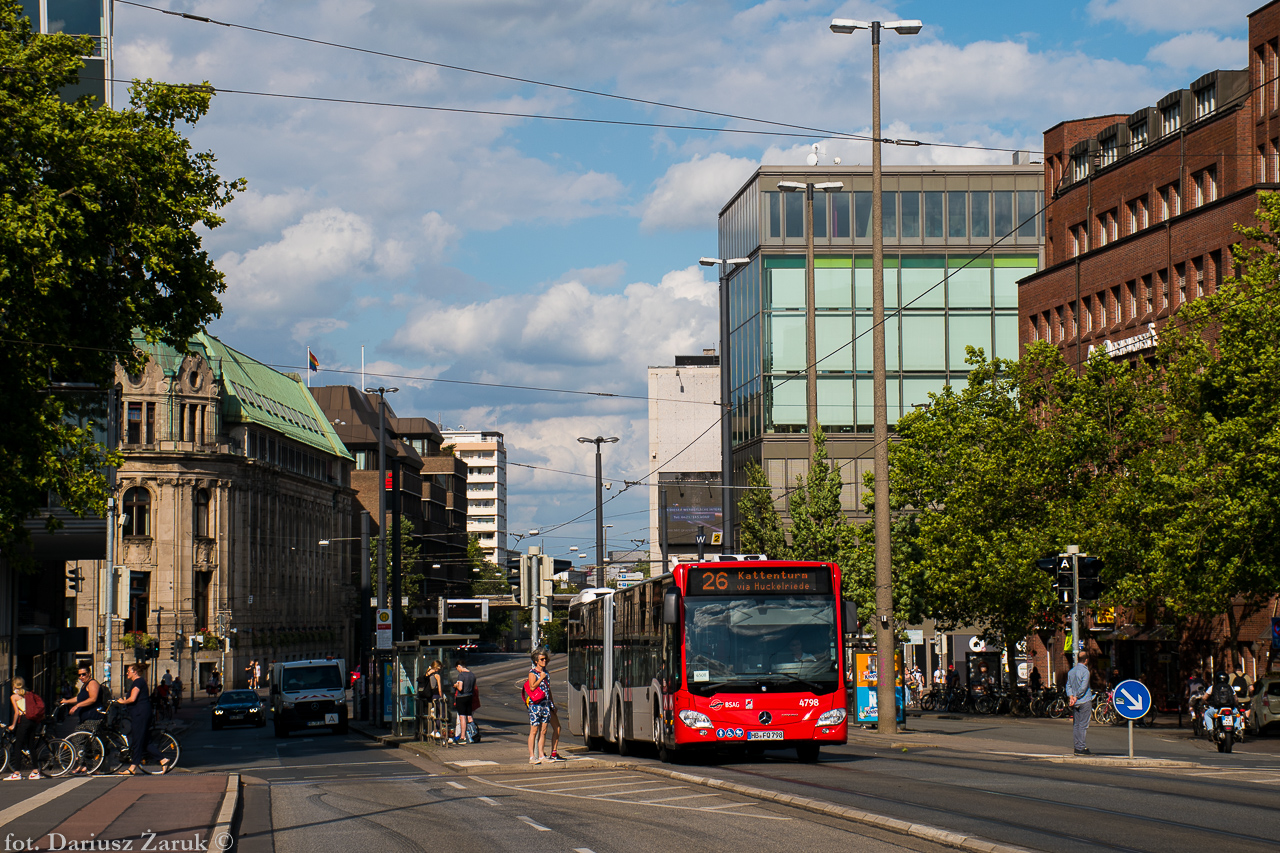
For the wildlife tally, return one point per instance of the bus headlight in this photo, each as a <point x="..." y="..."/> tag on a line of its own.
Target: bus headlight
<point x="695" y="719"/>
<point x="834" y="717"/>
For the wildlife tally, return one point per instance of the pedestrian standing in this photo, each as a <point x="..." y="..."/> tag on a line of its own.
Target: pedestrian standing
<point x="177" y="692"/>
<point x="24" y="704"/>
<point x="464" y="690"/>
<point x="257" y="674"/>
<point x="539" y="702"/>
<point x="139" y="702"/>
<point x="1080" y="698"/>
<point x="1036" y="681"/>
<point x="939" y="674"/>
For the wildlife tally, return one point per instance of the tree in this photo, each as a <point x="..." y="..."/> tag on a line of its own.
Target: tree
<point x="491" y="579"/>
<point x="1206" y="502"/>
<point x="99" y="211"/>
<point x="818" y="527"/>
<point x="412" y="577"/>
<point x="762" y="531"/>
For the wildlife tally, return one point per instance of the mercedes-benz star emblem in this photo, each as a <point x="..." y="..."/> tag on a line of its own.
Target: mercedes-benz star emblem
<point x="765" y="718"/>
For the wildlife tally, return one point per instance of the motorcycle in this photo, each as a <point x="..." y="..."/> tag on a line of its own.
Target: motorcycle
<point x="1228" y="727"/>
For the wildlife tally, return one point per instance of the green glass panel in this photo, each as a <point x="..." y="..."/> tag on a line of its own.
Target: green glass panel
<point x="834" y="341"/>
<point x="787" y="407"/>
<point x="923" y="341"/>
<point x="865" y="402"/>
<point x="786" y="342"/>
<point x="1006" y="335"/>
<point x="1006" y="285"/>
<point x="835" y="401"/>
<point x="922" y="277"/>
<point x="916" y="390"/>
<point x="969" y="287"/>
<point x="967" y="330"/>
<point x="833" y="288"/>
<point x="786" y="288"/>
<point x="863" y="336"/>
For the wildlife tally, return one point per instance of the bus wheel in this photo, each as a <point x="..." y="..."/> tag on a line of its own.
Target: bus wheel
<point x="594" y="743"/>
<point x="808" y="752"/>
<point x="664" y="752"/>
<point x="624" y="746"/>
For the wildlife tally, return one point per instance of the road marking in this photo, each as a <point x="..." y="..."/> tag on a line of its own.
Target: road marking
<point x="488" y="800"/>
<point x="32" y="803"/>
<point x="567" y="778"/>
<point x="458" y="786"/>
<point x="583" y="850"/>
<point x="640" y="791"/>
<point x="685" y="797"/>
<point x="589" y="787"/>
<point x="536" y="826"/>
<point x="609" y="797"/>
<point x="726" y="806"/>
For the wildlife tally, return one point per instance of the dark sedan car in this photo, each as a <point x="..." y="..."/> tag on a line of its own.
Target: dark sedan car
<point x="235" y="707"/>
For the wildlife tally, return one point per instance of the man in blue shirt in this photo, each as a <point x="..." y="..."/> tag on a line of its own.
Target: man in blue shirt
<point x="1080" y="697"/>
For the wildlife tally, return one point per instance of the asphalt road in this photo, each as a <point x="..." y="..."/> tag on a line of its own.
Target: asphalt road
<point x="315" y="792"/>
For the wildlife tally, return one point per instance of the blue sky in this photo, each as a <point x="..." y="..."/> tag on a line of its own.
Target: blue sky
<point x="563" y="255"/>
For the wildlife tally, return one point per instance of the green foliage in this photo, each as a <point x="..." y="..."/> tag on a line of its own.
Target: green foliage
<point x="818" y="528"/>
<point x="491" y="579"/>
<point x="412" y="573"/>
<point x="762" y="531"/>
<point x="99" y="218"/>
<point x="554" y="635"/>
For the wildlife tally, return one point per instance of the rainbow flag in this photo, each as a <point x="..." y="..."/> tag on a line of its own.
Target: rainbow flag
<point x="312" y="361"/>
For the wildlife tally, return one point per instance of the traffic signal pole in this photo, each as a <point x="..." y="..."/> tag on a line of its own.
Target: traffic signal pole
<point x="1073" y="551"/>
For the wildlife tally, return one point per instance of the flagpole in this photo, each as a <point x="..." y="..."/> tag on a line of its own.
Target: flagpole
<point x="362" y="367"/>
<point x="308" y="367"/>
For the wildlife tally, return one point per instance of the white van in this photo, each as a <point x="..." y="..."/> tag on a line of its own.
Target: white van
<point x="309" y="694"/>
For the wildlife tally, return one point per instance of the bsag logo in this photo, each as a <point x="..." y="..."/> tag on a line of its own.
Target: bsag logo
<point x="716" y="705"/>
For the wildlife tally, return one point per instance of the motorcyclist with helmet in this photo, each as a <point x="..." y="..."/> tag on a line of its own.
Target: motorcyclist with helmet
<point x="1221" y="695"/>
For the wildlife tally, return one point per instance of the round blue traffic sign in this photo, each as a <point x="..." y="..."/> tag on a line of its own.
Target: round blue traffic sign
<point x="1132" y="699"/>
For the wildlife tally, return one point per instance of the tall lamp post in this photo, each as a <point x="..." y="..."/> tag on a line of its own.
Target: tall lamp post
<point x="810" y="301"/>
<point x="728" y="266"/>
<point x="886" y="694"/>
<point x="597" y="441"/>
<point x="382" y="489"/>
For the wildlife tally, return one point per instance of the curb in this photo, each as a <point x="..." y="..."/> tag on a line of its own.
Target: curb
<point x="976" y="843"/>
<point x="222" y="828"/>
<point x="1118" y="761"/>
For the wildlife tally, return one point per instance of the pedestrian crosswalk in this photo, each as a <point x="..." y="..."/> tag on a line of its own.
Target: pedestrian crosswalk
<point x="638" y="789"/>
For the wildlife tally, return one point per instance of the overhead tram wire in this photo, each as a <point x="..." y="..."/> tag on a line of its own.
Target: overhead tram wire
<point x="565" y="88"/>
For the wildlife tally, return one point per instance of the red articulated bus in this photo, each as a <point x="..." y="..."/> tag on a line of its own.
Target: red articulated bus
<point x="742" y="655"/>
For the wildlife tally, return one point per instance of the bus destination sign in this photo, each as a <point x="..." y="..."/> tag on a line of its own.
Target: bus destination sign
<point x="784" y="580"/>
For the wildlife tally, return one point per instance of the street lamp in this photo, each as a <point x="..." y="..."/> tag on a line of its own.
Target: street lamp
<point x="885" y="693"/>
<point x="597" y="441"/>
<point x="727" y="268"/>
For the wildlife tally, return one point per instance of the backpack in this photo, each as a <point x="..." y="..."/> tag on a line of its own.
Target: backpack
<point x="35" y="706"/>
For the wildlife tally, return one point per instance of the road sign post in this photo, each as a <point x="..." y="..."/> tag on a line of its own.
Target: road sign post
<point x="1132" y="700"/>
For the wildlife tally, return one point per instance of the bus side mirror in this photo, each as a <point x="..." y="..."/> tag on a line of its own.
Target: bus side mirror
<point x="671" y="606"/>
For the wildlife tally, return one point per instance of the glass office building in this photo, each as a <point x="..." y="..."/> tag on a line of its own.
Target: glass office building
<point x="956" y="242"/>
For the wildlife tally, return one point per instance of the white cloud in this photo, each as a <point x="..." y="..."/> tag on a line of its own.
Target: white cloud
<point x="310" y="330"/>
<point x="690" y="194"/>
<point x="438" y="235"/>
<point x="1200" y="50"/>
<point x="1173" y="14"/>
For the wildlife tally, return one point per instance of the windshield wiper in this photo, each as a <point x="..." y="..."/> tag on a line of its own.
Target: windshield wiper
<point x="815" y="686"/>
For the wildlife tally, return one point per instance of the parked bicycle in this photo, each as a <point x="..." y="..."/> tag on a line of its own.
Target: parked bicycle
<point x="102" y="746"/>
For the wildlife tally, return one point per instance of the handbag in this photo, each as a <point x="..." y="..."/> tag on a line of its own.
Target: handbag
<point x="537" y="694"/>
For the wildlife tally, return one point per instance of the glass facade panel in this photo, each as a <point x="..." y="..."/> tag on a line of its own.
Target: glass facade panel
<point x="922" y="285"/>
<point x="910" y="215"/>
<point x="75" y="17"/>
<point x="956" y="221"/>
<point x="835" y="403"/>
<point x="787" y="407"/>
<point x="862" y="215"/>
<point x="969" y="285"/>
<point x="924" y="341"/>
<point x="980" y="214"/>
<point x="774" y="203"/>
<point x="819" y="214"/>
<point x="866" y="401"/>
<point x="916" y="390"/>
<point x="863" y="336"/>
<point x="1008" y="270"/>
<point x="889" y="228"/>
<point x="1028" y="213"/>
<point x="933" y="214"/>
<point x="840" y="215"/>
<point x="1006" y="335"/>
<point x="786" y="342"/>
<point x="1002" y="210"/>
<point x="833" y="287"/>
<point x="786" y="288"/>
<point x="964" y="330"/>
<point x="794" y="217"/>
<point x="834" y="341"/>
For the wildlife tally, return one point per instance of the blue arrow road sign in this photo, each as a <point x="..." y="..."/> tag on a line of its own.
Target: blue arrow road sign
<point x="1132" y="699"/>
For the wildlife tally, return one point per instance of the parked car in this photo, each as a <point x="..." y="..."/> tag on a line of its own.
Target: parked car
<point x="238" y="707"/>
<point x="1265" y="704"/>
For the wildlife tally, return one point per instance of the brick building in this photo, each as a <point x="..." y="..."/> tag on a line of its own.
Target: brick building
<point x="1140" y="222"/>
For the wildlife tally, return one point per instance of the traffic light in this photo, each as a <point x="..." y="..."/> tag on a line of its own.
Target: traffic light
<point x="153" y="649"/>
<point x="178" y="642"/>
<point x="546" y="576"/>
<point x="1048" y="565"/>
<point x="1064" y="580"/>
<point x="1091" y="585"/>
<point x="528" y="580"/>
<point x="75" y="579"/>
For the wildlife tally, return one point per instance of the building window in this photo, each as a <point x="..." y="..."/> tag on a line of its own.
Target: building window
<point x="1131" y="299"/>
<point x="1110" y="150"/>
<point x="133" y="424"/>
<point x="1035" y="329"/>
<point x="1180" y="272"/>
<point x="1170" y="119"/>
<point x="1209" y="183"/>
<point x="1197" y="286"/>
<point x="1138" y="136"/>
<point x="1164" y="289"/>
<point x="1079" y="167"/>
<point x="137" y="512"/>
<point x="1148" y="294"/>
<point x="202" y="513"/>
<point x="1206" y="101"/>
<point x="1062" y="325"/>
<point x="1215" y="271"/>
<point x="1117" y="307"/>
<point x="151" y="423"/>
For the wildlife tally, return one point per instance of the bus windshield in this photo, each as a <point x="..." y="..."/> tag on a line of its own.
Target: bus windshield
<point x="761" y="643"/>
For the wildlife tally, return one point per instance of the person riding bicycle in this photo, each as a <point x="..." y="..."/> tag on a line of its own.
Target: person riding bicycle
<point x="87" y="704"/>
<point x="1221" y="695"/>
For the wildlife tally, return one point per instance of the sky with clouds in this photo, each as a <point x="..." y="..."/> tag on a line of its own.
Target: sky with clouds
<point x="564" y="255"/>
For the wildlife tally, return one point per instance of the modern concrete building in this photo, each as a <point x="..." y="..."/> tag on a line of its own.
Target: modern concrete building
<point x="485" y="455"/>
<point x="684" y="445"/>
<point x="231" y="477"/>
<point x="957" y="240"/>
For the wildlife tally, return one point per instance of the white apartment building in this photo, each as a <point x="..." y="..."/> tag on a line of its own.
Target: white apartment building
<point x="684" y="445"/>
<point x="486" y="458"/>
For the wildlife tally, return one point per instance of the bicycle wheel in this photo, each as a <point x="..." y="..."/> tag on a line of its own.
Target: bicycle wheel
<point x="6" y="741"/>
<point x="55" y="757"/>
<point x="928" y="701"/>
<point x="89" y="750"/>
<point x="1058" y="708"/>
<point x="161" y="747"/>
<point x="115" y="751"/>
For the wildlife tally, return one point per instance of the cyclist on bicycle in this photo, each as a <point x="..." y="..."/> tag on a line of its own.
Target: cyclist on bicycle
<point x="24" y="729"/>
<point x="87" y="704"/>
